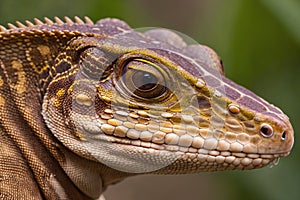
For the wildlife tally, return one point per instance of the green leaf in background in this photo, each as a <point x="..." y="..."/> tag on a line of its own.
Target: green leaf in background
<point x="287" y="12"/>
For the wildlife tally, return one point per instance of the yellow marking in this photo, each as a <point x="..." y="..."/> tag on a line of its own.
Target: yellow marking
<point x="36" y="69"/>
<point x="39" y="70"/>
<point x="60" y="92"/>
<point x="20" y="86"/>
<point x="44" y="68"/>
<point x="55" y="102"/>
<point x="2" y="101"/>
<point x="44" y="50"/>
<point x="65" y="76"/>
<point x="16" y="64"/>
<point x="106" y="95"/>
<point x="1" y="81"/>
<point x="81" y="136"/>
<point x="106" y="99"/>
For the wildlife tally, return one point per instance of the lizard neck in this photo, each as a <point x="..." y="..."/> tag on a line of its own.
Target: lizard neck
<point x="92" y="178"/>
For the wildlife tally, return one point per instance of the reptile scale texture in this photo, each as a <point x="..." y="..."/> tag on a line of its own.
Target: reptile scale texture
<point x="84" y="105"/>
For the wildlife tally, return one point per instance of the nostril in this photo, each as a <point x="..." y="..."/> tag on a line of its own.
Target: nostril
<point x="283" y="136"/>
<point x="266" y="130"/>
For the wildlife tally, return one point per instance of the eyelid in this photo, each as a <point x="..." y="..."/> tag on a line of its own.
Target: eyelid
<point x="147" y="61"/>
<point x="144" y="66"/>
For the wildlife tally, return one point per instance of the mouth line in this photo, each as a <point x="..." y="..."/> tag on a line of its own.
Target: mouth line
<point x="187" y="150"/>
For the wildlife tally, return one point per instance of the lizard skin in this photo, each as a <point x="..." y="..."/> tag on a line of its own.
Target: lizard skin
<point x="86" y="105"/>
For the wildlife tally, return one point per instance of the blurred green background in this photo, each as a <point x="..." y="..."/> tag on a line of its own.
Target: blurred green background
<point x="259" y="42"/>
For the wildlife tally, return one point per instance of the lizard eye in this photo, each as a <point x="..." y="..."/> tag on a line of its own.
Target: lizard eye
<point x="143" y="79"/>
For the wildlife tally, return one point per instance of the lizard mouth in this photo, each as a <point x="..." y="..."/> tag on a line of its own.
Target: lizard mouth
<point x="150" y="148"/>
<point x="200" y="159"/>
<point x="239" y="160"/>
<point x="146" y="144"/>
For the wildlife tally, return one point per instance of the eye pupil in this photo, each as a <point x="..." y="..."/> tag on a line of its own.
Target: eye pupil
<point x="144" y="80"/>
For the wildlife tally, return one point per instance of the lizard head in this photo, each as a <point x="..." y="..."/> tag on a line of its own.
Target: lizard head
<point x="150" y="102"/>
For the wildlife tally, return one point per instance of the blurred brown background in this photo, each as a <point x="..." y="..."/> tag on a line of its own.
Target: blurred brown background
<point x="259" y="42"/>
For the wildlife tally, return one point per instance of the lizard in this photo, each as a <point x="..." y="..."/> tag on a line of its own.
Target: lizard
<point x="84" y="105"/>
